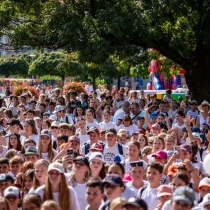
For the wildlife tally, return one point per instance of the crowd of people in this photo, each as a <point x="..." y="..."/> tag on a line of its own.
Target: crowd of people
<point x="106" y="150"/>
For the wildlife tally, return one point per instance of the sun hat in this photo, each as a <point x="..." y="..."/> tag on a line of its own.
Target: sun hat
<point x="31" y="151"/>
<point x="56" y="166"/>
<point x="74" y="138"/>
<point x="136" y="202"/>
<point x="11" y="191"/>
<point x="206" y="200"/>
<point x="200" y="107"/>
<point x="82" y="159"/>
<point x="113" y="179"/>
<point x="96" y="156"/>
<point x="163" y="190"/>
<point x="205" y="182"/>
<point x="45" y="132"/>
<point x="185" y="194"/>
<point x="58" y="109"/>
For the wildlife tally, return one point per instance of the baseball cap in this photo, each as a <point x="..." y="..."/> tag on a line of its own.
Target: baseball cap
<point x="6" y="177"/>
<point x="156" y="125"/>
<point x="161" y="154"/>
<point x="136" y="202"/>
<point x="153" y="115"/>
<point x="96" y="156"/>
<point x="205" y="182"/>
<point x="197" y="135"/>
<point x="113" y="179"/>
<point x="186" y="147"/>
<point x="185" y="194"/>
<point x="54" y="124"/>
<point x="13" y="122"/>
<point x="31" y="151"/>
<point x="11" y="191"/>
<point x="206" y="200"/>
<point x="118" y="158"/>
<point x="111" y="131"/>
<point x="164" y="190"/>
<point x="58" y="109"/>
<point x="45" y="132"/>
<point x="96" y="146"/>
<point x="74" y="138"/>
<point x="46" y="114"/>
<point x="82" y="159"/>
<point x="197" y="130"/>
<point x="127" y="178"/>
<point x="93" y="130"/>
<point x="193" y="102"/>
<point x="172" y="170"/>
<point x="56" y="166"/>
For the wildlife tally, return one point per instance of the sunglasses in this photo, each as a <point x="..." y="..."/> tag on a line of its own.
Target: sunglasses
<point x="134" y="164"/>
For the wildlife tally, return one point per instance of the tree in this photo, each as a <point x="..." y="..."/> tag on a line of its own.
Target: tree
<point x="99" y="29"/>
<point x="56" y="64"/>
<point x="14" y="65"/>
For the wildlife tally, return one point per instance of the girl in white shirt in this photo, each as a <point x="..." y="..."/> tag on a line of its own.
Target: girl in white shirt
<point x="79" y="177"/>
<point x="57" y="189"/>
<point x="89" y="115"/>
<point x="45" y="147"/>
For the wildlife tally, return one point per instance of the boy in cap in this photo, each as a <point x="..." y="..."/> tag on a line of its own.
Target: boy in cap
<point x="204" y="188"/>
<point x="12" y="195"/>
<point x="113" y="187"/>
<point x="31" y="154"/>
<point x="5" y="181"/>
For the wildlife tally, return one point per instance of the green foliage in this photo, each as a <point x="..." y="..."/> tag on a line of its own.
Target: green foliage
<point x="55" y="64"/>
<point x="14" y="65"/>
<point x="19" y="89"/>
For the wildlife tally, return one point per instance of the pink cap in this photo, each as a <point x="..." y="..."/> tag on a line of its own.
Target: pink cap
<point x="160" y="154"/>
<point x="156" y="126"/>
<point x="164" y="190"/>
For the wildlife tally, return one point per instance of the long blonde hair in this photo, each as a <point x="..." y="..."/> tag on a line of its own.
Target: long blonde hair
<point x="117" y="202"/>
<point x="64" y="193"/>
<point x="35" y="181"/>
<point x="50" y="150"/>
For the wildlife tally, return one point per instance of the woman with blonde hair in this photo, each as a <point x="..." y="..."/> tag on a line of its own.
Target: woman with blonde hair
<point x="45" y="147"/>
<point x="57" y="189"/>
<point x="117" y="204"/>
<point x="4" y="203"/>
<point x="40" y="169"/>
<point x="50" y="205"/>
<point x="79" y="177"/>
<point x="31" y="201"/>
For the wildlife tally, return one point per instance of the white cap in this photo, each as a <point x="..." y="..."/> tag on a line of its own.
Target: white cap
<point x="206" y="200"/>
<point x="12" y="191"/>
<point x="197" y="136"/>
<point x="58" y="108"/>
<point x="205" y="182"/>
<point x="96" y="156"/>
<point x="56" y="166"/>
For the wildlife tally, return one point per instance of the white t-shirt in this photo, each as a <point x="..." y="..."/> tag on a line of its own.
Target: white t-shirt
<point x="4" y="150"/>
<point x="149" y="195"/>
<point x="130" y="185"/>
<point x="128" y="193"/>
<point x="45" y="156"/>
<point x="130" y="130"/>
<point x="93" y="124"/>
<point x="118" y="115"/>
<point x="110" y="152"/>
<point x="80" y="190"/>
<point x="83" y="139"/>
<point x="88" y="88"/>
<point x="35" y="137"/>
<point x="74" y="204"/>
<point x="108" y="125"/>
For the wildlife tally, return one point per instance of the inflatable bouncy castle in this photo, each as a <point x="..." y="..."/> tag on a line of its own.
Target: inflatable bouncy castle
<point x="157" y="81"/>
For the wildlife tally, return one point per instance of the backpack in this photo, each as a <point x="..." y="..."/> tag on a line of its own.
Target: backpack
<point x="142" y="190"/>
<point x="67" y="120"/>
<point x="120" y="148"/>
